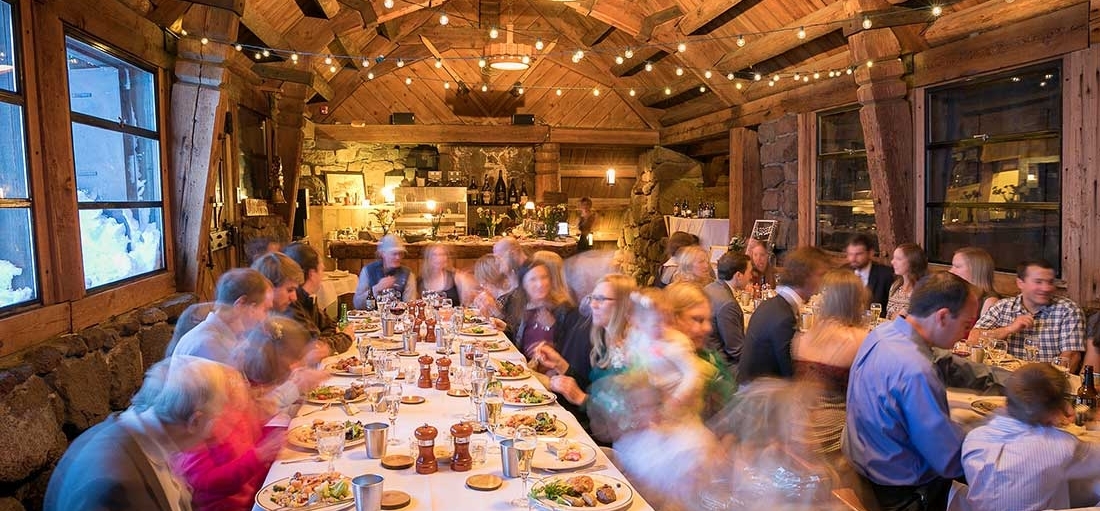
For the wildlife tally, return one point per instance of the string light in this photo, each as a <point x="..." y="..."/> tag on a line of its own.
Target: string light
<point x="332" y="69"/>
<point x="707" y="74"/>
<point x="682" y="47"/>
<point x="538" y="44"/>
<point x="328" y="60"/>
<point x="757" y="77"/>
<point x="668" y="91"/>
<point x="849" y="70"/>
<point x="370" y="75"/>
<point x="729" y="76"/>
<point x="525" y="59"/>
<point x="801" y="32"/>
<point x="558" y="92"/>
<point x="204" y="41"/>
<point x="629" y="53"/>
<point x="494" y="33"/>
<point x="438" y="63"/>
<point x="238" y="47"/>
<point x="447" y="85"/>
<point x="648" y="67"/>
<point x="870" y="63"/>
<point x="400" y="63"/>
<point x="806" y="79"/>
<point x="484" y="87"/>
<point x="817" y="75"/>
<point x="619" y="59"/>
<point x="366" y="63"/>
<point x="294" y="57"/>
<point x="679" y="71"/>
<point x="444" y="19"/>
<point x="408" y="80"/>
<point x="481" y="62"/>
<point x="740" y="41"/>
<point x="771" y="83"/>
<point x="797" y="76"/>
<point x="579" y="54"/>
<point x="738" y="85"/>
<point x="183" y="31"/>
<point x="775" y="77"/>
<point x="519" y="90"/>
<point x="266" y="53"/>
<point x="937" y="10"/>
<point x="867" y="23"/>
<point x="595" y="92"/>
<point x="702" y="88"/>
<point x="258" y="56"/>
<point x="632" y="93"/>
<point x="388" y="4"/>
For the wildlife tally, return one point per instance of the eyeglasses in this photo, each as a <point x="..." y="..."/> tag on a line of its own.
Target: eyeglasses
<point x="600" y="298"/>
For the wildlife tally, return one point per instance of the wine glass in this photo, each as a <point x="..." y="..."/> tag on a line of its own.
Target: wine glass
<point x="494" y="403"/>
<point x="998" y="349"/>
<point x="365" y="349"/>
<point x="330" y="442"/>
<point x="375" y="389"/>
<point x="1031" y="349"/>
<point x="1061" y="364"/>
<point x="388" y="367"/>
<point x="479" y="380"/>
<point x="481" y="356"/>
<point x="393" y="405"/>
<point x="524" y="441"/>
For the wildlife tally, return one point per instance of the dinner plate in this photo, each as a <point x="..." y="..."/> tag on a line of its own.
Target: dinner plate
<point x="356" y="399"/>
<point x="365" y="325"/>
<point x="386" y="344"/>
<point x="265" y="497"/>
<point x="549" y="398"/>
<point x="623" y="492"/>
<point x="362" y="314"/>
<point x="504" y="431"/>
<point x="300" y="437"/>
<point x="987" y="406"/>
<point x="356" y="371"/>
<point x="479" y="331"/>
<point x="547" y="459"/>
<point x="521" y="376"/>
<point x="496" y="346"/>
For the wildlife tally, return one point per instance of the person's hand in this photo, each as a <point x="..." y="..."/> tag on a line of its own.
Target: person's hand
<point x="385" y="283"/>
<point x="349" y="330"/>
<point x="315" y="352"/>
<point x="306" y="379"/>
<point x="268" y="447"/>
<point x="1022" y="322"/>
<point x="499" y="324"/>
<point x="549" y="358"/>
<point x="567" y="386"/>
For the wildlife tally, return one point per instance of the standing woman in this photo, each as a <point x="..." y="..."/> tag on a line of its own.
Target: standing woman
<point x="387" y="274"/>
<point x="437" y="274"/>
<point x="975" y="266"/>
<point x="910" y="265"/>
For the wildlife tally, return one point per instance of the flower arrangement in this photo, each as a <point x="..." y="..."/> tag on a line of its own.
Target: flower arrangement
<point x="491" y="219"/>
<point x="550" y="216"/>
<point x="738" y="244"/>
<point x="436" y="219"/>
<point x="384" y="217"/>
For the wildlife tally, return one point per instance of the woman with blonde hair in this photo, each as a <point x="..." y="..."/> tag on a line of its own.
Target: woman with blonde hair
<point x="556" y="265"/>
<point x="823" y="356"/>
<point x="693" y="265"/>
<point x="691" y="315"/>
<point x="910" y="265"/>
<point x="975" y="266"/>
<point x="437" y="274"/>
<point x="494" y="287"/>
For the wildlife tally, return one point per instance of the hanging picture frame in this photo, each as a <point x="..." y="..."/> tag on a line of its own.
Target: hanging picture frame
<point x="765" y="231"/>
<point x="347" y="188"/>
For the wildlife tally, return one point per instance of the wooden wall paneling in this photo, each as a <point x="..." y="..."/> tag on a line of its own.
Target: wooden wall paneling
<point x="56" y="164"/>
<point x="547" y="170"/>
<point x="745" y="185"/>
<point x="197" y="118"/>
<point x="1032" y="40"/>
<point x="1081" y="176"/>
<point x="987" y="16"/>
<point x="22" y="331"/>
<point x="100" y="307"/>
<point x="700" y="128"/>
<point x="807" y="178"/>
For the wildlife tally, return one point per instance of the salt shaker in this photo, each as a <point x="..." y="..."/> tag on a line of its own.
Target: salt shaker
<point x="461" y="461"/>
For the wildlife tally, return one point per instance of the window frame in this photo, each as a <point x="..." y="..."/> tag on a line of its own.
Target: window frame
<point x="923" y="147"/>
<point x="158" y="135"/>
<point x="811" y="133"/>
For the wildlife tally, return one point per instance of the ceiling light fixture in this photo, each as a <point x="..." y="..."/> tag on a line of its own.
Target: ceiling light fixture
<point x="509" y="55"/>
<point x="801" y="32"/>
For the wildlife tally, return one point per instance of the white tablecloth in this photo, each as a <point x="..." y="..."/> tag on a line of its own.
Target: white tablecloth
<point x="446" y="489"/>
<point x="711" y="231"/>
<point x="333" y="285"/>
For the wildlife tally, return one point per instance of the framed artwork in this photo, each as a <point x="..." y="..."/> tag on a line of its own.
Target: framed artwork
<point x="345" y="187"/>
<point x="766" y="231"/>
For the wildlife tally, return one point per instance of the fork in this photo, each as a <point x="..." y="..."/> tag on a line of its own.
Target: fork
<point x="321" y="409"/>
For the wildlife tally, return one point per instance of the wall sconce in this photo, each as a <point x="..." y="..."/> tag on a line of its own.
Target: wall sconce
<point x="430" y="205"/>
<point x="388" y="194"/>
<point x="610" y="177"/>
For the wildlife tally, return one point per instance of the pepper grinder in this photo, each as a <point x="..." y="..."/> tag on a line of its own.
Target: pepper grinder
<point x="461" y="461"/>
<point x="429" y="332"/>
<point x="425" y="440"/>
<point x="425" y="380"/>
<point x="443" y="381"/>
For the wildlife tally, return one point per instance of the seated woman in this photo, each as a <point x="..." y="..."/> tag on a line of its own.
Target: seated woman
<point x="975" y="266"/>
<point x="910" y="265"/>
<point x="676" y="241"/>
<point x="386" y="275"/>
<point x="437" y="274"/>
<point x="763" y="271"/>
<point x="542" y="310"/>
<point x="823" y="356"/>
<point x="693" y="266"/>
<point x="494" y="294"/>
<point x="691" y="316"/>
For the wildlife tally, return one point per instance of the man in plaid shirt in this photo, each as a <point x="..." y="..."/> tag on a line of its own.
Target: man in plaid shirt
<point x="1056" y="322"/>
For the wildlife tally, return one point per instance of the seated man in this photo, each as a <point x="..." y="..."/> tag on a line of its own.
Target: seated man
<point x="305" y="309"/>
<point x="242" y="298"/>
<point x="767" y="349"/>
<point x="386" y="275"/>
<point x="123" y="462"/>
<point x="728" y="321"/>
<point x="860" y="254"/>
<point x="898" y="433"/>
<point x="1056" y="322"/>
<point x="285" y="276"/>
<point x="1021" y="460"/>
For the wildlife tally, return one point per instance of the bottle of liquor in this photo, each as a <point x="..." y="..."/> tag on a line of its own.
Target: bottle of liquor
<point x="473" y="193"/>
<point x="676" y="207"/>
<point x="523" y="197"/>
<point x="1086" y="399"/>
<point x="487" y="191"/>
<point x="513" y="194"/>
<point x="500" y="195"/>
<point x="370" y="303"/>
<point x="342" y="319"/>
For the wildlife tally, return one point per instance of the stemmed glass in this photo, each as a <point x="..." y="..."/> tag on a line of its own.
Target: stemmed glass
<point x="481" y="356"/>
<point x="375" y="389"/>
<point x="388" y="367"/>
<point x="998" y="349"/>
<point x="365" y="350"/>
<point x="524" y="441"/>
<point x="393" y="405"/>
<point x="494" y="403"/>
<point x="479" y="380"/>
<point x="1031" y="349"/>
<point x="330" y="442"/>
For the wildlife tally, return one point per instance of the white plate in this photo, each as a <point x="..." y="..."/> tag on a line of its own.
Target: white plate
<point x="550" y="398"/>
<point x="358" y="398"/>
<point x="502" y="431"/>
<point x="264" y="497"/>
<point x="353" y="371"/>
<point x="521" y="376"/>
<point x="486" y="331"/>
<point x="496" y="346"/>
<point x="299" y="437"/>
<point x="987" y="406"/>
<point x="547" y="460"/>
<point x="623" y="492"/>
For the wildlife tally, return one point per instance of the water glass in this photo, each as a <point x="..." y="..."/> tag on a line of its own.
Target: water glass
<point x="478" y="450"/>
<point x="1061" y="364"/>
<point x="876" y="310"/>
<point x="393" y="405"/>
<point x="330" y="442"/>
<point x="998" y="350"/>
<point x="375" y="390"/>
<point x="1031" y="349"/>
<point x="389" y="367"/>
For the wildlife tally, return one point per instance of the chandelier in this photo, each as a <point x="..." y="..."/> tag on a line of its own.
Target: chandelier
<point x="509" y="55"/>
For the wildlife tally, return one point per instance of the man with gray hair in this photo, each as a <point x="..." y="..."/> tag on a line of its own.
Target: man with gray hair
<point x="242" y="299"/>
<point x="123" y="463"/>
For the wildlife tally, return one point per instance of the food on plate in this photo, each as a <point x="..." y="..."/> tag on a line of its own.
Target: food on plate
<point x="524" y="395"/>
<point x="349" y="365"/>
<point x="333" y="392"/>
<point x="985" y="406"/>
<point x="473" y="318"/>
<point x="510" y="369"/>
<point x="364" y="324"/>
<point x="352" y="431"/>
<point x="541" y="422"/>
<point x="567" y="450"/>
<point x="301" y="488"/>
<point x="477" y="330"/>
<point x="578" y="491"/>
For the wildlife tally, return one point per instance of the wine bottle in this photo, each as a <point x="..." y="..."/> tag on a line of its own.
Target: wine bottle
<point x="487" y="191"/>
<point x="513" y="194"/>
<point x="500" y="194"/>
<point x="473" y="193"/>
<point x="370" y="303"/>
<point x="1086" y="398"/>
<point x="676" y="207"/>
<point x="523" y="197"/>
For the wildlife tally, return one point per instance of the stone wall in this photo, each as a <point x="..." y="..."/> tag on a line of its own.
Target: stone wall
<point x="779" y="177"/>
<point x="52" y="392"/>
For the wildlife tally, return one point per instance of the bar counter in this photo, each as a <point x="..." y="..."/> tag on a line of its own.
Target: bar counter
<point x="351" y="255"/>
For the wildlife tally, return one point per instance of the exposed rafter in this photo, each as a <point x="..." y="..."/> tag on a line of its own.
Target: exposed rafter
<point x="621" y="14"/>
<point x="706" y="12"/>
<point x="815" y="24"/>
<point x="406" y="8"/>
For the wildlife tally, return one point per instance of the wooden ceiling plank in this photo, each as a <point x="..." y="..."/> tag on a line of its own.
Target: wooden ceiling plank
<point x="617" y="13"/>
<point x="758" y="90"/>
<point x="235" y="6"/>
<point x="538" y="60"/>
<point x="816" y="24"/>
<point x="365" y="9"/>
<point x="255" y="20"/>
<point x="347" y="83"/>
<point x="657" y="19"/>
<point x="454" y="76"/>
<point x="706" y="12"/>
<point x="405" y="9"/>
<point x="168" y="12"/>
<point x="989" y="16"/>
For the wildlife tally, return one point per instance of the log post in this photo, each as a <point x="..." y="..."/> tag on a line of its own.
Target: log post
<point x="547" y="170"/>
<point x="198" y="115"/>
<point x="745" y="186"/>
<point x="887" y="128"/>
<point x="290" y="105"/>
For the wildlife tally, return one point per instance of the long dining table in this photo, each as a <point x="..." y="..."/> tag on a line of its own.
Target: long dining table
<point x="446" y="489"/>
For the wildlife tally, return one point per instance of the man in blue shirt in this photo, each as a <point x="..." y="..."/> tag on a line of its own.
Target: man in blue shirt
<point x="899" y="433"/>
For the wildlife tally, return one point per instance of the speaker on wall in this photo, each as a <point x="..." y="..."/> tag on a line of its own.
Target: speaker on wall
<point x="523" y="119"/>
<point x="402" y="118"/>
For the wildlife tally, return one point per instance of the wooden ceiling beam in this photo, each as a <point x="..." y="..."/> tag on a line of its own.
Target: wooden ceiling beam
<point x="322" y="9"/>
<point x="234" y="6"/>
<point x="293" y="75"/>
<point x="651" y="22"/>
<point x="989" y="16"/>
<point x="782" y="40"/>
<point x="496" y="134"/>
<point x="404" y="9"/>
<point x="168" y="12"/>
<point x="636" y="64"/>
<point x="365" y="10"/>
<point x="597" y="34"/>
<point x="705" y="13"/>
<point x="620" y="14"/>
<point x="258" y="24"/>
<point x="476" y="100"/>
<point x="891" y="17"/>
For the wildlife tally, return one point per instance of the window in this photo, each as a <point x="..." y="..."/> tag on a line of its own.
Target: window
<point x="116" y="146"/>
<point x="18" y="275"/>
<point x="844" y="205"/>
<point x="993" y="167"/>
